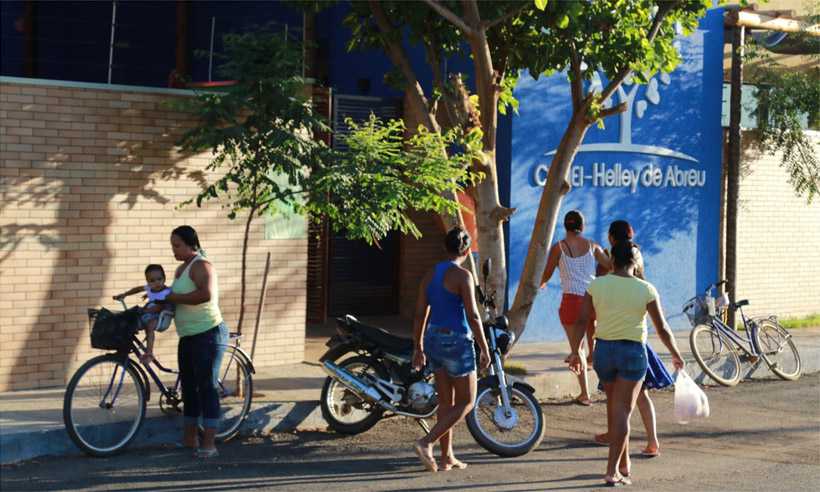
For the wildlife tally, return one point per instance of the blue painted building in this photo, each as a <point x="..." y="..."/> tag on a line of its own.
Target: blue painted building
<point x="658" y="166"/>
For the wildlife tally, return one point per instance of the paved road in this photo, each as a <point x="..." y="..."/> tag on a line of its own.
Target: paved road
<point x="762" y="436"/>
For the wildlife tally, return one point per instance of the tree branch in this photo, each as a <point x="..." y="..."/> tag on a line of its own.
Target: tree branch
<point x="613" y="110"/>
<point x="504" y="18"/>
<point x="575" y="82"/>
<point x="397" y="55"/>
<point x="450" y="16"/>
<point x="663" y="9"/>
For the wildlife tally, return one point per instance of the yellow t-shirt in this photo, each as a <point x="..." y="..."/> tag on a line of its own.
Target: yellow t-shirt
<point x="620" y="307"/>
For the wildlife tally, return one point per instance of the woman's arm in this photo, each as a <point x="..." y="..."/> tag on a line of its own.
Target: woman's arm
<point x="466" y="287"/>
<point x="552" y="264"/>
<point x="602" y="258"/>
<point x="201" y="275"/>
<point x="420" y="322"/>
<point x="665" y="334"/>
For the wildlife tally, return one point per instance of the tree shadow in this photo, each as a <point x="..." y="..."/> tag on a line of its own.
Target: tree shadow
<point x="106" y="151"/>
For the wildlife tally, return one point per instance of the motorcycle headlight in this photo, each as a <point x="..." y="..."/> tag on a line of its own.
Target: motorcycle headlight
<point x="502" y="322"/>
<point x="503" y="339"/>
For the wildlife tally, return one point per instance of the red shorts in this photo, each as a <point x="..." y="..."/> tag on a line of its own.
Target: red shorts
<point x="570" y="310"/>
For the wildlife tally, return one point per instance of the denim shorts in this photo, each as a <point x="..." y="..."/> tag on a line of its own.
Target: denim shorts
<point x="619" y="358"/>
<point x="450" y="350"/>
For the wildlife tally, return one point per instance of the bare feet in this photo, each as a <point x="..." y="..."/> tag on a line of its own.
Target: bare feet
<point x="425" y="454"/>
<point x="452" y="463"/>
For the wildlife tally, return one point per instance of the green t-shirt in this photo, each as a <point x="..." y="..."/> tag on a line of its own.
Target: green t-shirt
<point x="620" y="307"/>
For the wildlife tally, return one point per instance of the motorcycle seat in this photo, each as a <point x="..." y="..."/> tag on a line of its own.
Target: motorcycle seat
<point x="389" y="342"/>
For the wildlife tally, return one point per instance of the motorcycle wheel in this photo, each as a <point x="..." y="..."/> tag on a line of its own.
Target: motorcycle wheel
<point x="345" y="412"/>
<point x="503" y="435"/>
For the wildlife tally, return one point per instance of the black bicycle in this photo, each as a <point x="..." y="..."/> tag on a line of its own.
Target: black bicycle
<point x="105" y="401"/>
<point x="718" y="349"/>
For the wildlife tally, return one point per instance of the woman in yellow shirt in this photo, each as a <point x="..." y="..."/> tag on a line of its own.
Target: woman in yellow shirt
<point x="620" y="302"/>
<point x="203" y="337"/>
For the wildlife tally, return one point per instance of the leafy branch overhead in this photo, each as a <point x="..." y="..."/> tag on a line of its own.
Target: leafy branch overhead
<point x="383" y="176"/>
<point x="260" y="132"/>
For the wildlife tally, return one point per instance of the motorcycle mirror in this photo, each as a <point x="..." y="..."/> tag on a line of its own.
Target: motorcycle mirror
<point x="487" y="268"/>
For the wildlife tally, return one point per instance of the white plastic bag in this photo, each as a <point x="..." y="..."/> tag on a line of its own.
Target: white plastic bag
<point x="690" y="400"/>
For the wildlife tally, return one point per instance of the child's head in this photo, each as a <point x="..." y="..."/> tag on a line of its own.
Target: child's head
<point x="155" y="276"/>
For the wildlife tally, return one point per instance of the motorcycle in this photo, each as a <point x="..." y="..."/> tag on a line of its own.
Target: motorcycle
<point x="378" y="381"/>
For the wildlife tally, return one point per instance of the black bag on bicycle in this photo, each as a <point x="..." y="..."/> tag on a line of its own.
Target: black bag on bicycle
<point x="113" y="331"/>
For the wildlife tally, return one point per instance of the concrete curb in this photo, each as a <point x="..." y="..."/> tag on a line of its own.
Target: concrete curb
<point x="264" y="418"/>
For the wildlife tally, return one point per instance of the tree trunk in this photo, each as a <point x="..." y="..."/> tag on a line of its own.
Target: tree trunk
<point x="242" y="286"/>
<point x="490" y="215"/>
<point x="545" y="221"/>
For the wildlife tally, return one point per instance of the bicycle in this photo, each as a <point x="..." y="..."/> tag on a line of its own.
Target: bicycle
<point x="105" y="400"/>
<point x="716" y="346"/>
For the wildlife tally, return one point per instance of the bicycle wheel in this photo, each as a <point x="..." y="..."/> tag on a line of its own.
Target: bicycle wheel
<point x="104" y="405"/>
<point x="235" y="387"/>
<point x="715" y="355"/>
<point x="777" y="348"/>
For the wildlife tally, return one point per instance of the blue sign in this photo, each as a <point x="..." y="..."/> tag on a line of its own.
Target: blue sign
<point x="658" y="166"/>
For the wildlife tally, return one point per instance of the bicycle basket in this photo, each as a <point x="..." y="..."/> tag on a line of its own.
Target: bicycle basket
<point x="700" y="310"/>
<point x="113" y="331"/>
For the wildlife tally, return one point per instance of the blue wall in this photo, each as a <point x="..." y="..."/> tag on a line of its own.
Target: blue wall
<point x="678" y="136"/>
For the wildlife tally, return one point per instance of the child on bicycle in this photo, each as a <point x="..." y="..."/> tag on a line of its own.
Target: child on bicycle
<point x="155" y="291"/>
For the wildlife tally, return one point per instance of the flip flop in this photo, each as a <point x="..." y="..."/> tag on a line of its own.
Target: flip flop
<point x="454" y="465"/>
<point x="650" y="453"/>
<point x="428" y="462"/>
<point x="615" y="482"/>
<point x="583" y="403"/>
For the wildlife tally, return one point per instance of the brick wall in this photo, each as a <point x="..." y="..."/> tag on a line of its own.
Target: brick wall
<point x="90" y="182"/>
<point x="778" y="242"/>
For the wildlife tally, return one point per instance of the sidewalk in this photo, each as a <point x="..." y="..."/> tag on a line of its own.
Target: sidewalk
<point x="286" y="397"/>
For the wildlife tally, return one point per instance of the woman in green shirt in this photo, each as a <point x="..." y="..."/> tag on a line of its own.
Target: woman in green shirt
<point x="620" y="302"/>
<point x="203" y="337"/>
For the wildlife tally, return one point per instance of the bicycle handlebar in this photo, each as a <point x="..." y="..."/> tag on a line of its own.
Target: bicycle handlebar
<point x="715" y="285"/>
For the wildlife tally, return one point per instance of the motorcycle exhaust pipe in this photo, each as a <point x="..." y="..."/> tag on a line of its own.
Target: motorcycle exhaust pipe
<point x="351" y="382"/>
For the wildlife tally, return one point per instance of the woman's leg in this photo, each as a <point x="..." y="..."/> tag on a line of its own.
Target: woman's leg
<point x="583" y="379"/>
<point x="445" y="392"/>
<point x="207" y="371"/>
<point x="624" y="393"/>
<point x="190" y="396"/>
<point x="464" y="391"/>
<point x="647" y="410"/>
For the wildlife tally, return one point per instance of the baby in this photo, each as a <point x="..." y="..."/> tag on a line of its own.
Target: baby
<point x="155" y="290"/>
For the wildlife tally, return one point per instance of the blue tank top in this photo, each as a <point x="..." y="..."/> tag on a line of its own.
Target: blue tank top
<point x="446" y="308"/>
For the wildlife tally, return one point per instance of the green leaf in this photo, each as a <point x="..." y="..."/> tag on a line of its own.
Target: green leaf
<point x="541" y="4"/>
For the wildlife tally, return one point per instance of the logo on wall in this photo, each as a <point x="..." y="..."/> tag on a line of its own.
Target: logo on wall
<point x="619" y="175"/>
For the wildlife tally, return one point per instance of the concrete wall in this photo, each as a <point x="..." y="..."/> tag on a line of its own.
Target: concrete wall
<point x="778" y="267"/>
<point x="90" y="182"/>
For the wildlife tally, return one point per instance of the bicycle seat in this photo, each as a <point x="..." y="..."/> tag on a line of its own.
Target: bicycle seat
<point x="739" y="304"/>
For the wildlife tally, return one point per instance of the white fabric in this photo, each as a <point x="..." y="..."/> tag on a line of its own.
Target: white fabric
<point x="157" y="296"/>
<point x="576" y="273"/>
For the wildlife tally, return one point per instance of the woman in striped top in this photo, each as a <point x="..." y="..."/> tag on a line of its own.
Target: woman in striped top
<point x="575" y="257"/>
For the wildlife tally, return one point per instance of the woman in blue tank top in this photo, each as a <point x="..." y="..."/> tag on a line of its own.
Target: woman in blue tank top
<point x="445" y="326"/>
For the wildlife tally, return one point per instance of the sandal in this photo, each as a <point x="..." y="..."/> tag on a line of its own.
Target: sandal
<point x="615" y="481"/>
<point x="584" y="402"/>
<point x="453" y="465"/>
<point x="651" y="452"/>
<point x="206" y="453"/>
